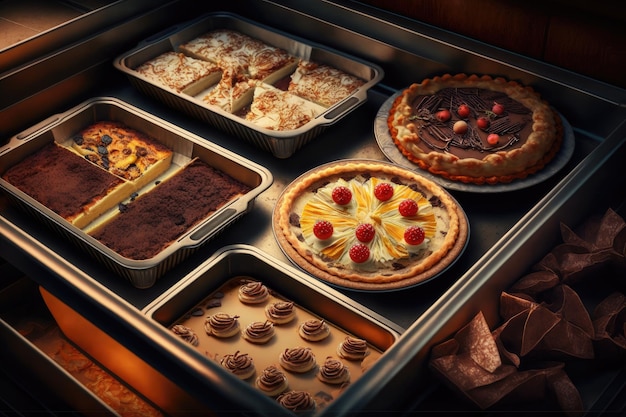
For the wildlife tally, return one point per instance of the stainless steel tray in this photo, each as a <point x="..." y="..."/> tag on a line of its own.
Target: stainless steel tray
<point x="596" y="184"/>
<point x="281" y="144"/>
<point x="311" y="297"/>
<point x="141" y="273"/>
<point x="222" y="273"/>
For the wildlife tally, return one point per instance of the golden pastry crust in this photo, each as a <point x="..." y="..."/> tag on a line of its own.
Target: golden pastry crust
<point x="440" y="216"/>
<point x="502" y="165"/>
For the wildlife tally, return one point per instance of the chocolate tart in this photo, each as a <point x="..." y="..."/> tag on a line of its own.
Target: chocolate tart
<point x="428" y="127"/>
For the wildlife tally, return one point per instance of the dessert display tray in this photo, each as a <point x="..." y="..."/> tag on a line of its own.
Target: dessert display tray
<point x="185" y="145"/>
<point x="281" y="144"/>
<point x="510" y="231"/>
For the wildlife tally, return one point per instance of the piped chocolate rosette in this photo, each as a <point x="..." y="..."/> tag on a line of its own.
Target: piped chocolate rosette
<point x="568" y="309"/>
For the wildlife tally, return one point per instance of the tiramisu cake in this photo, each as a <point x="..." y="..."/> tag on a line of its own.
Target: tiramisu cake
<point x="475" y="129"/>
<point x="369" y="224"/>
<point x="166" y="212"/>
<point x="73" y="180"/>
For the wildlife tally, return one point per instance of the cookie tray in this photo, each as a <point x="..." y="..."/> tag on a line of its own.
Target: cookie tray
<point x="141" y="273"/>
<point x="281" y="144"/>
<point x="589" y="190"/>
<point x="220" y="387"/>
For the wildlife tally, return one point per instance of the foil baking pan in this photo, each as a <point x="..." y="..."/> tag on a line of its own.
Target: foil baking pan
<point x="281" y="144"/>
<point x="218" y="278"/>
<point x="589" y="190"/>
<point x="141" y="273"/>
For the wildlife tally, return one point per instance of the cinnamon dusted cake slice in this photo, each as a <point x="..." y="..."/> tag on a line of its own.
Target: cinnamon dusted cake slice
<point x="181" y="73"/>
<point x="276" y="109"/>
<point x="322" y="84"/>
<point x="245" y="55"/>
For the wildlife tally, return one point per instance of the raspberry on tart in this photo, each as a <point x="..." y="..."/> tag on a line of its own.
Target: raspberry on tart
<point x="367" y="248"/>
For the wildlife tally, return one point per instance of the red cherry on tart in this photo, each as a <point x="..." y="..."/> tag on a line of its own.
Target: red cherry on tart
<point x="414" y="235"/>
<point x="463" y="111"/>
<point x="493" y="139"/>
<point x="383" y="191"/>
<point x="497" y="108"/>
<point x="408" y="207"/>
<point x="443" y="115"/>
<point x="342" y="195"/>
<point x="323" y="229"/>
<point x="365" y="232"/>
<point x="359" y="253"/>
<point x="483" y="123"/>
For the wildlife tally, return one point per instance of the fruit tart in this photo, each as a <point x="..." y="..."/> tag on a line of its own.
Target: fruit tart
<point x="369" y="225"/>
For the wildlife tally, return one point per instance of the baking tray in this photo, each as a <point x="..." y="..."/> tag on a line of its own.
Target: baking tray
<point x="281" y="144"/>
<point x="219" y="277"/>
<point x="141" y="273"/>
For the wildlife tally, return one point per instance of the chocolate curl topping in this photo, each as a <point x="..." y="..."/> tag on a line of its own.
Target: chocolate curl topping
<point x="464" y="363"/>
<point x="610" y="327"/>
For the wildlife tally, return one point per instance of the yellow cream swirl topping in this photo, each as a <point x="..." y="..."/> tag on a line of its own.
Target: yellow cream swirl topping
<point x="389" y="224"/>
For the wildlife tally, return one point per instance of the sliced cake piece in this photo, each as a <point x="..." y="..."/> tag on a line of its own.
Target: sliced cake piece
<point x="67" y="184"/>
<point x="323" y="84"/>
<point x="123" y="151"/>
<point x="276" y="109"/>
<point x="181" y="73"/>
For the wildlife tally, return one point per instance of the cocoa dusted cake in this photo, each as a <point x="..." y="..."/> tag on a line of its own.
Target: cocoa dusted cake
<point x="70" y="186"/>
<point x="475" y="129"/>
<point x="149" y="223"/>
<point x="369" y="225"/>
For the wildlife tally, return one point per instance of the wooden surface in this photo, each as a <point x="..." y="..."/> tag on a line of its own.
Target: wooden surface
<point x="587" y="37"/>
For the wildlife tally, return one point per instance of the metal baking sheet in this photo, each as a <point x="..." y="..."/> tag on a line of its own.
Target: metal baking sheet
<point x="141" y="273"/>
<point x="281" y="144"/>
<point x="311" y="297"/>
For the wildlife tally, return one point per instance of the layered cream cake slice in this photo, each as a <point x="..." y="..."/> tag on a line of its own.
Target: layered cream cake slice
<point x="243" y="54"/>
<point x="181" y="73"/>
<point x="67" y="184"/>
<point x="322" y="84"/>
<point x="231" y="94"/>
<point x="276" y="109"/>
